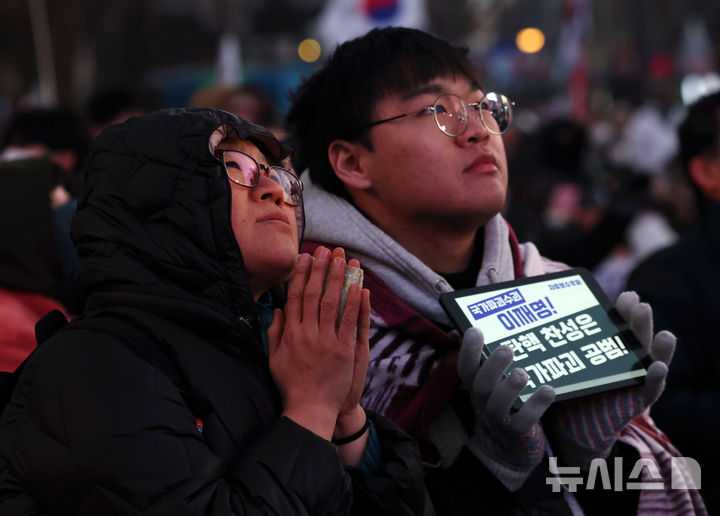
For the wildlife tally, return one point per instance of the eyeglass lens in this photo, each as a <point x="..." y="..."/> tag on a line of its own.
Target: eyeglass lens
<point x="243" y="169"/>
<point x="494" y="110"/>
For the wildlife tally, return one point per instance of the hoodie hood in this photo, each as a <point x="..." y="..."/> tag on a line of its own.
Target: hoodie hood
<point x="153" y="228"/>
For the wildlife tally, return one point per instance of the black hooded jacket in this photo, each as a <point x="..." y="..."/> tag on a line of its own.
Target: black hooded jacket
<point x="95" y="427"/>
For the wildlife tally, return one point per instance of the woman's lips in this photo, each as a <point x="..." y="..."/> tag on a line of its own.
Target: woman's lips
<point x="274" y="217"/>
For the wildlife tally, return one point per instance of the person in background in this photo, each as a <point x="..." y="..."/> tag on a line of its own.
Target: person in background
<point x="59" y="134"/>
<point x="406" y="170"/>
<point x="42" y="153"/>
<point x="33" y="280"/>
<point x="112" y="106"/>
<point x="682" y="282"/>
<point x="246" y="101"/>
<point x="183" y="387"/>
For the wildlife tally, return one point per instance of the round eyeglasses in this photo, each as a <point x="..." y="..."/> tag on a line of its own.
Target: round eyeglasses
<point x="244" y="170"/>
<point x="451" y="113"/>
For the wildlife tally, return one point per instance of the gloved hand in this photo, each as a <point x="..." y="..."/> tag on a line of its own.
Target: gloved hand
<point x="510" y="444"/>
<point x="586" y="428"/>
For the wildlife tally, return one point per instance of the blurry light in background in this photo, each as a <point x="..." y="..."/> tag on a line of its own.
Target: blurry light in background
<point x="694" y="86"/>
<point x="309" y="50"/>
<point x="530" y="40"/>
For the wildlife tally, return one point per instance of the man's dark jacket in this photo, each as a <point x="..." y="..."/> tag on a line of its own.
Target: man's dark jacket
<point x="682" y="284"/>
<point x="158" y="398"/>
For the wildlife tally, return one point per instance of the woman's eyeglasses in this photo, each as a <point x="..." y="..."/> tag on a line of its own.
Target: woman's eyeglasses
<point x="244" y="170"/>
<point x="451" y="113"/>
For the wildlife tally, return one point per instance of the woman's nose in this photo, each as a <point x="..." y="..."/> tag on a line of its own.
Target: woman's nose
<point x="269" y="189"/>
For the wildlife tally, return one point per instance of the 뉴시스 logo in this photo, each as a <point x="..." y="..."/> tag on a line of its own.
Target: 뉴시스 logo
<point x="684" y="474"/>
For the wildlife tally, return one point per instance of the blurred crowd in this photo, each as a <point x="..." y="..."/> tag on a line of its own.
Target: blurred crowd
<point x="601" y="194"/>
<point x="42" y="154"/>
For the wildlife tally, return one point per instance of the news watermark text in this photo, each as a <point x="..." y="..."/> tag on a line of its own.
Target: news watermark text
<point x="612" y="475"/>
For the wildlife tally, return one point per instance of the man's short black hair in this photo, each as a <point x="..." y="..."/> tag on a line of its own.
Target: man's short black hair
<point x="699" y="133"/>
<point x="338" y="100"/>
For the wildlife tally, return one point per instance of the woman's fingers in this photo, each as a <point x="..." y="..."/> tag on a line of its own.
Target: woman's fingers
<point x="362" y="350"/>
<point x="318" y="359"/>
<point x="349" y="317"/>
<point x="331" y="299"/>
<point x="315" y="284"/>
<point x="330" y="302"/>
<point x="363" y="333"/>
<point x="361" y="355"/>
<point x="296" y="290"/>
<point x="274" y="332"/>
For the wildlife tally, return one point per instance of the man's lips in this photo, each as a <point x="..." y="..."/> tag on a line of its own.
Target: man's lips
<point x="484" y="162"/>
<point x="277" y="216"/>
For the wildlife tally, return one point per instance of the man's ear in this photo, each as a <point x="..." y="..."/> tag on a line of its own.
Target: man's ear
<point x="705" y="173"/>
<point x="346" y="159"/>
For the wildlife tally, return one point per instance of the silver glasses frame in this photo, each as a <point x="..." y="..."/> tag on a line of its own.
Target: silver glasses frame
<point x="264" y="170"/>
<point x="475" y="106"/>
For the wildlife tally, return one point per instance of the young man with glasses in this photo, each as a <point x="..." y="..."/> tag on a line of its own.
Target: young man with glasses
<point x="406" y="169"/>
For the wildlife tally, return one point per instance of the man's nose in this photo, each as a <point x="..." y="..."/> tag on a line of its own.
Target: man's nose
<point x="474" y="131"/>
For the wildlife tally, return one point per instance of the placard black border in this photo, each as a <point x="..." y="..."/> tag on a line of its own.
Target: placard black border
<point x="448" y="301"/>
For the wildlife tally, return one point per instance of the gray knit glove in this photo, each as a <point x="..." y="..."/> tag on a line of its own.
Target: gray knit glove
<point x="586" y="428"/>
<point x="509" y="444"/>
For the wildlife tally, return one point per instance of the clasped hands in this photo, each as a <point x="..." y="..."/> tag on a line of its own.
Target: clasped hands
<point x="319" y="365"/>
<point x="511" y="444"/>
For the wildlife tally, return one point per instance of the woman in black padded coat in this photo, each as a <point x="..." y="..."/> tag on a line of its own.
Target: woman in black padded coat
<point x="164" y="396"/>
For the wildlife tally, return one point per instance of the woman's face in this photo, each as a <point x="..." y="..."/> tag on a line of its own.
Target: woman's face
<point x="264" y="225"/>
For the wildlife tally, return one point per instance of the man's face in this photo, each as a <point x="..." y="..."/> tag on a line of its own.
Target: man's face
<point x="264" y="225"/>
<point x="424" y="175"/>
